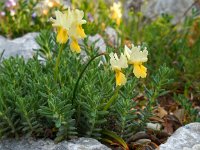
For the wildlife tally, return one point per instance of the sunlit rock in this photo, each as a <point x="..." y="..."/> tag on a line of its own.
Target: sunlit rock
<point x="184" y="137"/>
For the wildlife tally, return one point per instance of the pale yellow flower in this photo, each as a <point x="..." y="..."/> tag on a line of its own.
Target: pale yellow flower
<point x="136" y="57"/>
<point x="62" y="35"/>
<point x="76" y="31"/>
<point x="62" y="20"/>
<point x="74" y="46"/>
<point x="117" y="64"/>
<point x="116" y="12"/>
<point x="77" y="16"/>
<point x="69" y="25"/>
<point x="62" y="24"/>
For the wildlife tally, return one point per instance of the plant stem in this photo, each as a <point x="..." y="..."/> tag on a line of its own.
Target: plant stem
<point x="58" y="62"/>
<point x="112" y="99"/>
<point x="1" y="55"/>
<point x="11" y="126"/>
<point x="80" y="76"/>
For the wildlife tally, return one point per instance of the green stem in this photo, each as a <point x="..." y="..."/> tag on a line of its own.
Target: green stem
<point x="112" y="99"/>
<point x="1" y="55"/>
<point x="29" y="122"/>
<point x="57" y="63"/>
<point x="80" y="76"/>
<point x="11" y="125"/>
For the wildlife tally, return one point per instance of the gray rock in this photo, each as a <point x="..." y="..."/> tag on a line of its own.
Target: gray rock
<point x="23" y="46"/>
<point x="186" y="136"/>
<point x="86" y="144"/>
<point x="2" y="39"/>
<point x="112" y="37"/>
<point x="195" y="147"/>
<point x="132" y="4"/>
<point x="31" y="144"/>
<point x="176" y="8"/>
<point x="67" y="2"/>
<point x="99" y="43"/>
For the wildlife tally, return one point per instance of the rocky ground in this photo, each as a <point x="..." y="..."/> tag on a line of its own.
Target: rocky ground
<point x="185" y="137"/>
<point x="47" y="144"/>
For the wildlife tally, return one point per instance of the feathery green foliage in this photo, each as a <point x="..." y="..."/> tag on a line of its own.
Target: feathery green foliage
<point x="33" y="103"/>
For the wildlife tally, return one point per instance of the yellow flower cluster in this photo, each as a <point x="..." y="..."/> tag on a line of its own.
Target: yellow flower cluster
<point x="134" y="57"/>
<point x="117" y="64"/>
<point x="69" y="26"/>
<point x="116" y="12"/>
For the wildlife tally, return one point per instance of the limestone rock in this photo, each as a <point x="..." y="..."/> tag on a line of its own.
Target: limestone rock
<point x="176" y="8"/>
<point x="112" y="37"/>
<point x="86" y="144"/>
<point x="2" y="39"/>
<point x="67" y="2"/>
<point x="185" y="137"/>
<point x="31" y="144"/>
<point x="195" y="147"/>
<point x="23" y="46"/>
<point x="99" y="43"/>
<point x="132" y="4"/>
<point x="154" y="126"/>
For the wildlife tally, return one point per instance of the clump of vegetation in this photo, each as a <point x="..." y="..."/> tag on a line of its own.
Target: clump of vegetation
<point x="34" y="102"/>
<point x="18" y="17"/>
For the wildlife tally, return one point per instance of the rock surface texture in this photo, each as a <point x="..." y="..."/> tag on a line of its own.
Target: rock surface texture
<point x="99" y="42"/>
<point x="67" y="2"/>
<point x="23" y="46"/>
<point x="176" y="8"/>
<point x="112" y="37"/>
<point x="154" y="8"/>
<point x="185" y="137"/>
<point x="30" y="144"/>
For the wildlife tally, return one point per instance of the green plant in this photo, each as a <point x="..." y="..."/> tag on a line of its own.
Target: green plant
<point x="46" y="41"/>
<point x="191" y="114"/>
<point x="159" y="81"/>
<point x="34" y="103"/>
<point x="113" y="139"/>
<point x="61" y="113"/>
<point x="157" y="87"/>
<point x="24" y="17"/>
<point x="126" y="118"/>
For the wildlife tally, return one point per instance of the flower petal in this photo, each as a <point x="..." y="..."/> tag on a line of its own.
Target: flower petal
<point x="74" y="46"/>
<point x="62" y="35"/>
<point x="139" y="71"/>
<point x="120" y="78"/>
<point x="80" y="31"/>
<point x="62" y="20"/>
<point x="127" y="52"/>
<point x="118" y="63"/>
<point x="116" y="12"/>
<point x="138" y="56"/>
